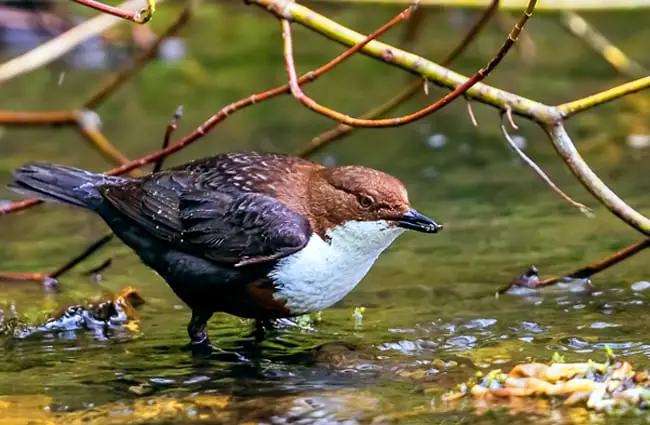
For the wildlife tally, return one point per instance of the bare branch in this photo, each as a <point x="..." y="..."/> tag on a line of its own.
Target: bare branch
<point x="583" y="208"/>
<point x="398" y="121"/>
<point x="342" y="130"/>
<point x="59" y="46"/>
<point x="141" y="16"/>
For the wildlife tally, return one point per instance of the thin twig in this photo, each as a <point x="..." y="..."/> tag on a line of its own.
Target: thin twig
<point x="470" y="112"/>
<point x="83" y="120"/>
<point x="511" y="120"/>
<point x="80" y="118"/>
<point x="113" y="83"/>
<point x="342" y="130"/>
<point x="603" y="264"/>
<point x="299" y="94"/>
<point x="171" y="127"/>
<point x="38" y="118"/>
<point x="101" y="242"/>
<point x="98" y="269"/>
<point x="95" y="246"/>
<point x="200" y="131"/>
<point x="141" y="16"/>
<point x="473" y="32"/>
<point x="103" y="145"/>
<point x="583" y="208"/>
<point x="567" y="150"/>
<point x="530" y="279"/>
<point x="17" y="276"/>
<point x="59" y="46"/>
<point x="615" y="57"/>
<point x="68" y="265"/>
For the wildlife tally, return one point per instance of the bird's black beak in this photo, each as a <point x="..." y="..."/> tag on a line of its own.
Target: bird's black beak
<point x="413" y="220"/>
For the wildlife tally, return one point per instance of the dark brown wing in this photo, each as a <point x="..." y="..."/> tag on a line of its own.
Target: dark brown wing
<point x="222" y="223"/>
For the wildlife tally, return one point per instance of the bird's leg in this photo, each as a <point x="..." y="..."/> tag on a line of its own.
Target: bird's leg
<point x="197" y="328"/>
<point x="261" y="326"/>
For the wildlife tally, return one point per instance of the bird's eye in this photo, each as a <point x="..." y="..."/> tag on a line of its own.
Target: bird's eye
<point x="365" y="201"/>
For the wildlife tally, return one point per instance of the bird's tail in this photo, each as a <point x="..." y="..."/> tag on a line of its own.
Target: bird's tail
<point x="59" y="183"/>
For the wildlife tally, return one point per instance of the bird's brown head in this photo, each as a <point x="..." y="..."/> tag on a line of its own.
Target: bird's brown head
<point x="355" y="193"/>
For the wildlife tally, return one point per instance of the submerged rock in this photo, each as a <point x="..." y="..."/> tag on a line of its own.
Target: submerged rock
<point x="100" y="315"/>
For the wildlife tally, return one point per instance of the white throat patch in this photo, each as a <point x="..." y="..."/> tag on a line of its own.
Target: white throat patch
<point x="322" y="273"/>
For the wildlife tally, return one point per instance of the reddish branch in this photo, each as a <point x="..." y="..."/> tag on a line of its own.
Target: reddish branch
<point x="530" y="279"/>
<point x="99" y="243"/>
<point x="139" y="17"/>
<point x="73" y="117"/>
<point x="50" y="277"/>
<point x="342" y="130"/>
<point x="202" y="130"/>
<point x="482" y="73"/>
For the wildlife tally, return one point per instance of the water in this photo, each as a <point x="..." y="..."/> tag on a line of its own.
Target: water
<point x="431" y="319"/>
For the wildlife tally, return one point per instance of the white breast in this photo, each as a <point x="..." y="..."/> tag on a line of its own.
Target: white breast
<point x="323" y="272"/>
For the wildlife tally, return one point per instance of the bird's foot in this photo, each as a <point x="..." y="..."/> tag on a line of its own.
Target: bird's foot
<point x="261" y="328"/>
<point x="202" y="346"/>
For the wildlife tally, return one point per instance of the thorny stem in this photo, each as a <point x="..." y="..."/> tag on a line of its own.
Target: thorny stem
<point x="399" y="121"/>
<point x="342" y="130"/>
<point x="139" y="17"/>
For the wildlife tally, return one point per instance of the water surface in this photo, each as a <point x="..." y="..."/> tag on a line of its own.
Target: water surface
<point x="431" y="319"/>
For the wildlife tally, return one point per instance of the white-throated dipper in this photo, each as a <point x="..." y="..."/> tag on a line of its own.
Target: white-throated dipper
<point x="256" y="235"/>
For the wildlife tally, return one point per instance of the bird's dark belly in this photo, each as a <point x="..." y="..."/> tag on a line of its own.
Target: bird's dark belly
<point x="202" y="284"/>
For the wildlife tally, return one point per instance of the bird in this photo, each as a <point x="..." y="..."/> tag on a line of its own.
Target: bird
<point x="257" y="235"/>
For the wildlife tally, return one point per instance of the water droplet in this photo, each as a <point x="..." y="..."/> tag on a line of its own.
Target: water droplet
<point x="437" y="141"/>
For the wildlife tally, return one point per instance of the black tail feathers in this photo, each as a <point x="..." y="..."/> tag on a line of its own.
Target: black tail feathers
<point x="59" y="183"/>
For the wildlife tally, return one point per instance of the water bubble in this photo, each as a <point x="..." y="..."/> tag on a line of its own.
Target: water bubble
<point x="437" y="141"/>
